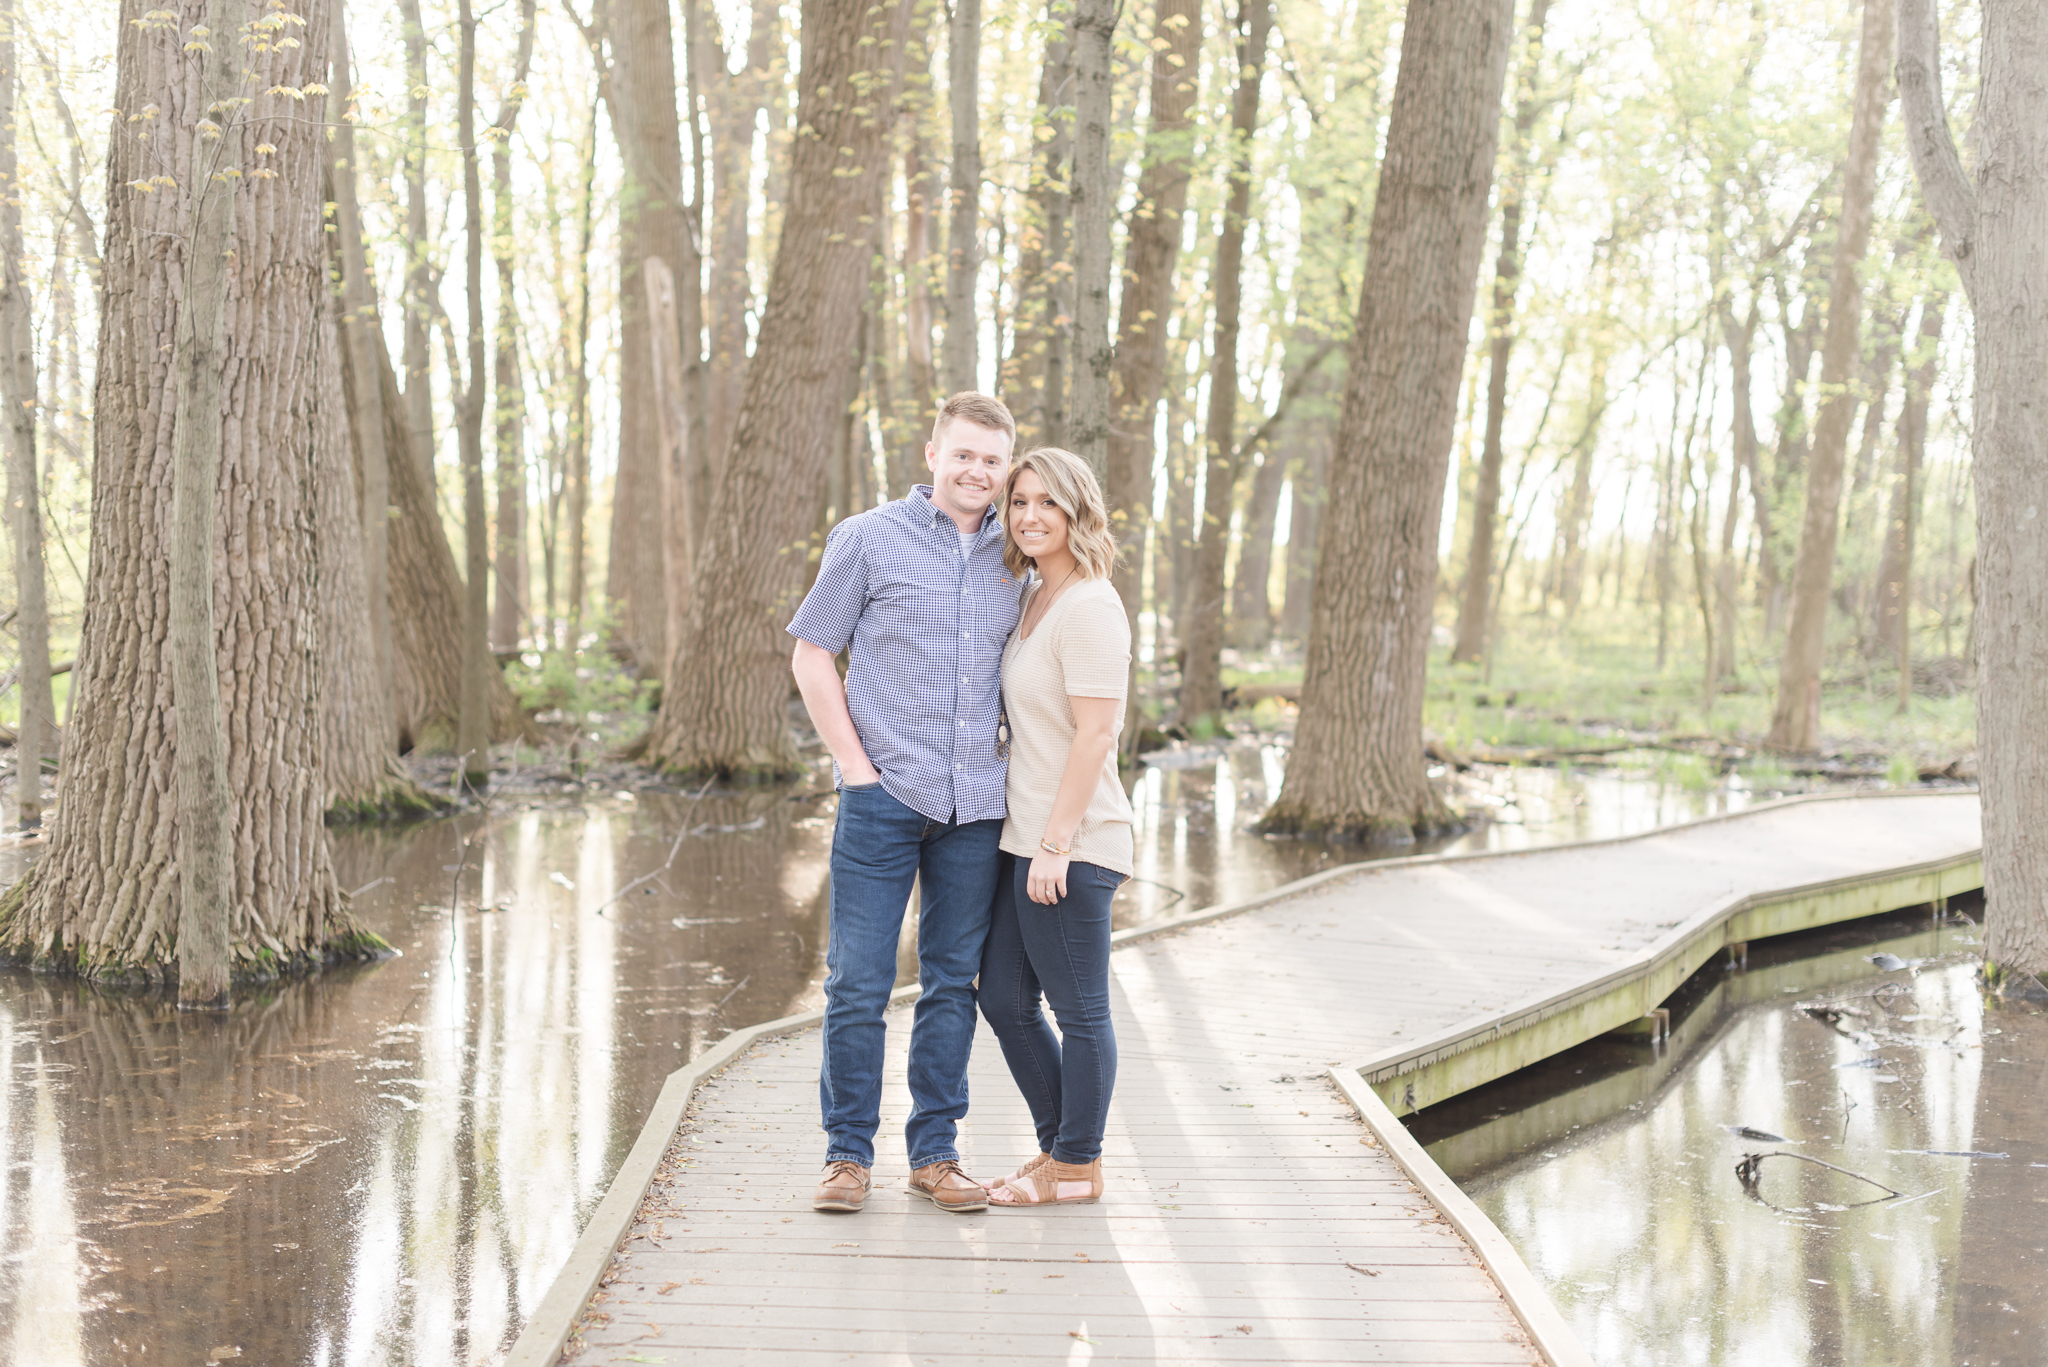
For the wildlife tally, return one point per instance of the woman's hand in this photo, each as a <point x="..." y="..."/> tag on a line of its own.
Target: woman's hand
<point x="1046" y="883"/>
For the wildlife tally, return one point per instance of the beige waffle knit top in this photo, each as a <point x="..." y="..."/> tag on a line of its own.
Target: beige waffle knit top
<point x="1082" y="649"/>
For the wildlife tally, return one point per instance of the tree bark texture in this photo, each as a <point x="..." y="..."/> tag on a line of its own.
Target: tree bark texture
<point x="736" y="102"/>
<point x="1795" y="717"/>
<point x="1150" y="255"/>
<point x="36" y="737"/>
<point x="1356" y="770"/>
<point x="1035" y="380"/>
<point x="367" y="421"/>
<point x="105" y="900"/>
<point x="359" y="743"/>
<point x="1470" y="644"/>
<point x="1201" y="674"/>
<point x="1996" y="230"/>
<point x="426" y="590"/>
<point x="512" y="606"/>
<point x="729" y="717"/>
<point x="671" y="411"/>
<point x="642" y="104"/>
<point x="1093" y="194"/>
<point x="472" y="716"/>
<point x="960" y="359"/>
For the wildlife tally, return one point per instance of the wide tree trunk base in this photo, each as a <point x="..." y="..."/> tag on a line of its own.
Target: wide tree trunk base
<point x="2014" y="984"/>
<point x="398" y="799"/>
<point x="348" y="943"/>
<point x="1380" y="830"/>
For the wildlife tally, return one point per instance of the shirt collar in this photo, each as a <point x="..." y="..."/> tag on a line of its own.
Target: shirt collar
<point x="920" y="499"/>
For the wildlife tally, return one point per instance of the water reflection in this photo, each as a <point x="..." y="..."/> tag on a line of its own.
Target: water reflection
<point x="388" y="1164"/>
<point x="1612" y="1167"/>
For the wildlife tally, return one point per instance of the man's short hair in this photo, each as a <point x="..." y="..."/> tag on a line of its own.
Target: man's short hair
<point x="983" y="410"/>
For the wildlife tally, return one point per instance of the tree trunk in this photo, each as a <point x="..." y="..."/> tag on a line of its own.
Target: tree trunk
<point x="737" y="102"/>
<point x="1093" y="193"/>
<point x="110" y="897"/>
<point x="419" y="275"/>
<point x="920" y="374"/>
<point x="1251" y="602"/>
<point x="1149" y="258"/>
<point x="1578" y="504"/>
<point x="359" y="750"/>
<point x="1795" y="718"/>
<point x="1741" y="343"/>
<point x="732" y="721"/>
<point x="367" y="418"/>
<point x="1994" y="236"/>
<point x="577" y="476"/>
<point x="1470" y="644"/>
<point x="512" y="596"/>
<point x="1201" y="676"/>
<point x="426" y="591"/>
<point x="1036" y="378"/>
<point x="678" y="522"/>
<point x="36" y="737"/>
<point x="960" y="360"/>
<point x="1891" y="629"/>
<point x="1356" y="769"/>
<point x="472" y="717"/>
<point x="641" y="99"/>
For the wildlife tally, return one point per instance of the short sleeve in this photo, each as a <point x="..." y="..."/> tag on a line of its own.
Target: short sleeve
<point x="1095" y="647"/>
<point x="831" y="609"/>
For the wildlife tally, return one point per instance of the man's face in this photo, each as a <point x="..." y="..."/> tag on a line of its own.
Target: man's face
<point x="969" y="463"/>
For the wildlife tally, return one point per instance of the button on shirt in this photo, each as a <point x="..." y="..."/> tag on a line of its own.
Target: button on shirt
<point x="927" y="611"/>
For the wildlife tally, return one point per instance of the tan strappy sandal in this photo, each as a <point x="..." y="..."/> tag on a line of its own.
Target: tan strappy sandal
<point x="1029" y="1166"/>
<point x="1052" y="1183"/>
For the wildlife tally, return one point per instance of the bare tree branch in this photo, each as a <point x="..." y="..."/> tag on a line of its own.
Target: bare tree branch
<point x="1943" y="183"/>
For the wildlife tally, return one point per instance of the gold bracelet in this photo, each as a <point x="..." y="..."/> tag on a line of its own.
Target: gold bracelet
<point x="1045" y="844"/>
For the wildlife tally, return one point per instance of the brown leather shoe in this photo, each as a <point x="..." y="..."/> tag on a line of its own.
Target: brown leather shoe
<point x="845" y="1187"/>
<point x="948" y="1188"/>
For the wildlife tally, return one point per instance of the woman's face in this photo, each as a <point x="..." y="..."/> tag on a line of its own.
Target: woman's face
<point x="1037" y="523"/>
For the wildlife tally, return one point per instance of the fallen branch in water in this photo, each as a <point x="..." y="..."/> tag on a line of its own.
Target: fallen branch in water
<point x="681" y="836"/>
<point x="1746" y="1172"/>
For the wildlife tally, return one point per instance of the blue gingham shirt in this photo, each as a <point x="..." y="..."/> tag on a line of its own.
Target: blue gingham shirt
<point x="927" y="628"/>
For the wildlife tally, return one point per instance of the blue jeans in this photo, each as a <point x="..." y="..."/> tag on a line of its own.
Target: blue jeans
<point x="1060" y="953"/>
<point x="879" y="847"/>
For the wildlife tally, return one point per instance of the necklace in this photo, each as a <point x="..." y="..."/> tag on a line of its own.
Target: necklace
<point x="1048" y="600"/>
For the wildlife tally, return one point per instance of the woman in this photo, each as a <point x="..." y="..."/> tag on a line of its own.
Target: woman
<point x="1066" y="845"/>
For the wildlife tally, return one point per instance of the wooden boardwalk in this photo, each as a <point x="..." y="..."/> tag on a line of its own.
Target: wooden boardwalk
<point x="1251" y="1216"/>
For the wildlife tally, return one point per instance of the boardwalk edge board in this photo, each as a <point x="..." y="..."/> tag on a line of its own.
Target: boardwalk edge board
<point x="547" y="1330"/>
<point x="1532" y="1305"/>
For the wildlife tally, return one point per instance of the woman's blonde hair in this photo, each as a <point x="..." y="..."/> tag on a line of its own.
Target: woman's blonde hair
<point x="1072" y="485"/>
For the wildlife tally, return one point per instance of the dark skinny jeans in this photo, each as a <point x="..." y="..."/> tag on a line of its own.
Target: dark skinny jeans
<point x="1058" y="954"/>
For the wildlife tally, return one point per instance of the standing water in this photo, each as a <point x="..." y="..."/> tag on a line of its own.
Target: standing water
<point x="1614" y="1168"/>
<point x="388" y="1163"/>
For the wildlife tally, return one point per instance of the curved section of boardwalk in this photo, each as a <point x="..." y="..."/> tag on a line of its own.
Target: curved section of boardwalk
<point x="1251" y="1216"/>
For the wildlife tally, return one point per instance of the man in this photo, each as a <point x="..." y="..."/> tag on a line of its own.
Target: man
<point x="917" y="589"/>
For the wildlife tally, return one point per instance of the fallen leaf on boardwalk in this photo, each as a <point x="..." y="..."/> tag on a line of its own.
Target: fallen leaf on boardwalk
<point x="696" y="1281"/>
<point x="846" y="1245"/>
<point x="1055" y="1276"/>
<point x="1077" y="1334"/>
<point x="1366" y="1270"/>
<point x="666" y="1289"/>
<point x="638" y="1357"/>
<point x="1242" y="1328"/>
